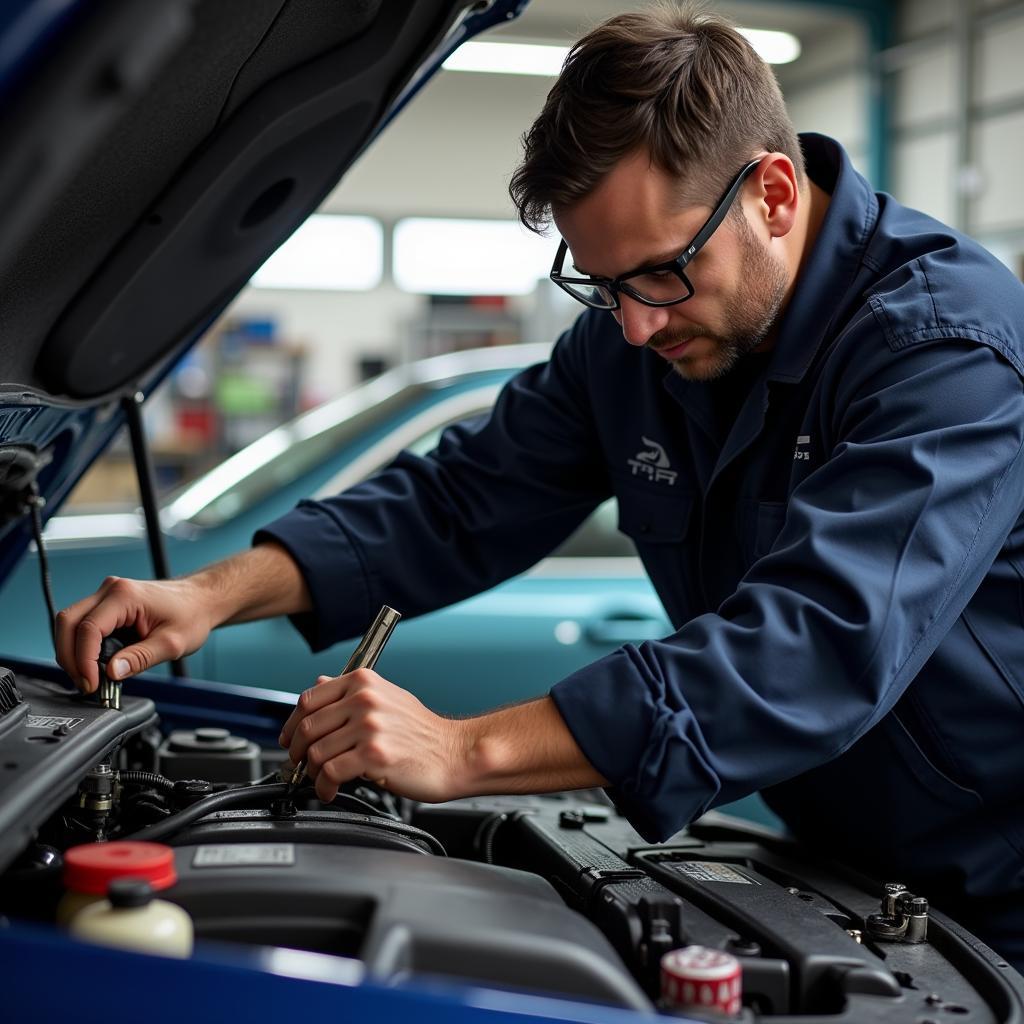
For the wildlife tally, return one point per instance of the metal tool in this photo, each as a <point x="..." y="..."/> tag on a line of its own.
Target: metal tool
<point x="364" y="656"/>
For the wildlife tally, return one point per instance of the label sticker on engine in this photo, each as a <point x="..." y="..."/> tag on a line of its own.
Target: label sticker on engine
<point x="244" y="855"/>
<point x="711" y="871"/>
<point x="51" y="722"/>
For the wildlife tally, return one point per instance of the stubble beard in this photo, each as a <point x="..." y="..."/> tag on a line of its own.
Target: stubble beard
<point x="748" y="321"/>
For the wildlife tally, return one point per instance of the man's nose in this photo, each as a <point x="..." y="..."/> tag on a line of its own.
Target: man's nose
<point x="639" y="322"/>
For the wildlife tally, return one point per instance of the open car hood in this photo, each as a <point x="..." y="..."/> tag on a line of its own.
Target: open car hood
<point x="155" y="155"/>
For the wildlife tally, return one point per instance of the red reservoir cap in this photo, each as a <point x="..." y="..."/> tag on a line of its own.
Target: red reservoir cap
<point x="702" y="979"/>
<point x="90" y="868"/>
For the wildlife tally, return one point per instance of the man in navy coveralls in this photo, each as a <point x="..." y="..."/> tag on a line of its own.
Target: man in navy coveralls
<point x="808" y="402"/>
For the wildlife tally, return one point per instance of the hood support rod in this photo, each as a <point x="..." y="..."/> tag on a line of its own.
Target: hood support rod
<point x="132" y="406"/>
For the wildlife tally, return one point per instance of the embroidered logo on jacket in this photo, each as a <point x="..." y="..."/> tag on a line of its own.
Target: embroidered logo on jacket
<point x="802" y="452"/>
<point x="653" y="463"/>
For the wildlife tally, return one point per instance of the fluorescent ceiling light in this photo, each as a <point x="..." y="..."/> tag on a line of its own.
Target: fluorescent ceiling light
<point x="773" y="47"/>
<point x="508" y="58"/>
<point x="327" y="253"/>
<point x="441" y="256"/>
<point x="541" y="59"/>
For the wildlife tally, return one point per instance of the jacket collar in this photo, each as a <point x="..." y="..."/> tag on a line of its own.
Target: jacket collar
<point x="821" y="290"/>
<point x="831" y="267"/>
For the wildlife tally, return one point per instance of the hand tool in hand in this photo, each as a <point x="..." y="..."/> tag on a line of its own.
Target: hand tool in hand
<point x="364" y="656"/>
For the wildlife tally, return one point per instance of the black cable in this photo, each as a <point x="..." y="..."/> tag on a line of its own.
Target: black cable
<point x="365" y="806"/>
<point x="208" y="805"/>
<point x="483" y="841"/>
<point x="35" y="505"/>
<point x="132" y="806"/>
<point x="246" y="794"/>
<point x="147" y="779"/>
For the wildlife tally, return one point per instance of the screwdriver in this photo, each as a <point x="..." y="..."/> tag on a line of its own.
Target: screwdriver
<point x="364" y="656"/>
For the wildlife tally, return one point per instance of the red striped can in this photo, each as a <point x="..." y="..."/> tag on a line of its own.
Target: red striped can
<point x="698" y="978"/>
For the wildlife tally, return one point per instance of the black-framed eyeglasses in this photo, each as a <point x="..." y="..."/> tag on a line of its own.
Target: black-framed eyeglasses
<point x="660" y="284"/>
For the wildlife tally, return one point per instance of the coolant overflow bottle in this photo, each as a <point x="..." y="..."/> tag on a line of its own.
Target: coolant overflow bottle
<point x="90" y="868"/>
<point x="130" y="918"/>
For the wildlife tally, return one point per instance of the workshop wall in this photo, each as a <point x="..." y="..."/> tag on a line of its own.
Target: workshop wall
<point x="958" y="116"/>
<point x="955" y="85"/>
<point x="827" y="89"/>
<point x="450" y="153"/>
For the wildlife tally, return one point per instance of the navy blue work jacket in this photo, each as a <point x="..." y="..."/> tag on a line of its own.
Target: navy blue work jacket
<point x="844" y="568"/>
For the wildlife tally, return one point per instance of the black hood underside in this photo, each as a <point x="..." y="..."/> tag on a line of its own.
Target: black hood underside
<point x="164" y="150"/>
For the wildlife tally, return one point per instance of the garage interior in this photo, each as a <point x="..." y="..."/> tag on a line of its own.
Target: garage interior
<point x="400" y="309"/>
<point x="927" y="97"/>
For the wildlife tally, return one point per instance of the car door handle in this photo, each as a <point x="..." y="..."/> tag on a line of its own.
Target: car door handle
<point x="625" y="628"/>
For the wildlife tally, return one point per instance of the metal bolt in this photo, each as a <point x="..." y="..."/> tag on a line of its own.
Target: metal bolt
<point x="891" y="893"/>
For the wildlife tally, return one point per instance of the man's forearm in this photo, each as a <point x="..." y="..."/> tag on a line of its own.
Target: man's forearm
<point x="255" y="584"/>
<point x="526" y="748"/>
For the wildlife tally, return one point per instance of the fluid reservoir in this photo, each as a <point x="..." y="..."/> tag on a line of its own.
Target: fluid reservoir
<point x="90" y="868"/>
<point x="209" y="753"/>
<point x="130" y="918"/>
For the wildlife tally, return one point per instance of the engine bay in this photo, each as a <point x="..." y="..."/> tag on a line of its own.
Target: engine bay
<point x="555" y="894"/>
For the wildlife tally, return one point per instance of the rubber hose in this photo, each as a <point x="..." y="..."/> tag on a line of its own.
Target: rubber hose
<point x="263" y="794"/>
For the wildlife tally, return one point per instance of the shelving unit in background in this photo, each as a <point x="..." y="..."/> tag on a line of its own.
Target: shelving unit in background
<point x="452" y="323"/>
<point x="242" y="380"/>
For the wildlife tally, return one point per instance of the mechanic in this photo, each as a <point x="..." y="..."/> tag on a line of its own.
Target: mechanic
<point x="814" y="432"/>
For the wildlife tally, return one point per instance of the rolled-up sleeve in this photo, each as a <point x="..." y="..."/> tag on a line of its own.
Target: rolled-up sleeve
<point x="882" y="547"/>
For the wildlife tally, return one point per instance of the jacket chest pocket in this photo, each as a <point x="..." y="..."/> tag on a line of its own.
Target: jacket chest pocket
<point x="655" y="518"/>
<point x="760" y="523"/>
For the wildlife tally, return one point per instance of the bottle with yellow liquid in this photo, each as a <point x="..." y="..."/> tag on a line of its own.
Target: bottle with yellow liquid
<point x="131" y="918"/>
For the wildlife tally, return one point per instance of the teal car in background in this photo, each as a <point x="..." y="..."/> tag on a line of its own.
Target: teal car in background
<point x="510" y="643"/>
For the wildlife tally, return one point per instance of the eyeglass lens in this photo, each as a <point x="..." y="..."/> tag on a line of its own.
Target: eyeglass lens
<point x="664" y="286"/>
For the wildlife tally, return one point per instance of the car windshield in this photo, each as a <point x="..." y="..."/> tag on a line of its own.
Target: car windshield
<point x="290" y="451"/>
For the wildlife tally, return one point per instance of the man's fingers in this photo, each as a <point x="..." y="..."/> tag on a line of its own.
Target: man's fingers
<point x="82" y="627"/>
<point x="87" y="639"/>
<point x="161" y="645"/>
<point x="66" y="639"/>
<point x="314" y="727"/>
<point x="339" y="769"/>
<point x="328" y="747"/>
<point x="324" y="691"/>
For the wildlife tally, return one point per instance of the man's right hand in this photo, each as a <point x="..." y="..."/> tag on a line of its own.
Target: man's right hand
<point x="170" y="616"/>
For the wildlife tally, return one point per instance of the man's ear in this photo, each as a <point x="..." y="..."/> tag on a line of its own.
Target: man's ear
<point x="777" y="194"/>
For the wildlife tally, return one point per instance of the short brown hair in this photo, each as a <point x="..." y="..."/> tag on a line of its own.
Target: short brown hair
<point x="673" y="79"/>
